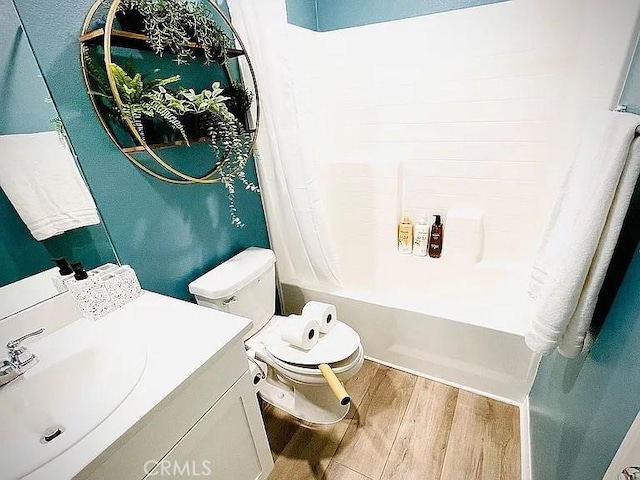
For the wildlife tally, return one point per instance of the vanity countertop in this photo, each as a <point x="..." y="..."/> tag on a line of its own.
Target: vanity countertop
<point x="179" y="337"/>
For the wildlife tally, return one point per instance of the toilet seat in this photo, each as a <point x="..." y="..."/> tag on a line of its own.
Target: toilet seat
<point x="302" y="390"/>
<point x="340" y="348"/>
<point x="332" y="347"/>
<point x="294" y="383"/>
<point x="311" y="374"/>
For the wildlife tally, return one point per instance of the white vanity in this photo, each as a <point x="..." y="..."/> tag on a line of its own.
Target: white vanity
<point x="158" y="388"/>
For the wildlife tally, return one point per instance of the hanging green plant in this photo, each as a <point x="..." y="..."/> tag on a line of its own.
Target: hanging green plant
<point x="172" y="25"/>
<point x="139" y="95"/>
<point x="240" y="100"/>
<point x="99" y="86"/>
<point x="143" y="97"/>
<point x="159" y="110"/>
<point x="227" y="135"/>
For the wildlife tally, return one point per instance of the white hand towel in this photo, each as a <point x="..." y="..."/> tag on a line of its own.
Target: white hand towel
<point x="39" y="176"/>
<point x="582" y="233"/>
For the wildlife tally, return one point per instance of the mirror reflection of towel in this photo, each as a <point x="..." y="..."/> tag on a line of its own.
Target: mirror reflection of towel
<point x="41" y="179"/>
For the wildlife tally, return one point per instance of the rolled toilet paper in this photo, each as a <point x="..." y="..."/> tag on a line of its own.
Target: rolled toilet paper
<point x="300" y="332"/>
<point x="323" y="313"/>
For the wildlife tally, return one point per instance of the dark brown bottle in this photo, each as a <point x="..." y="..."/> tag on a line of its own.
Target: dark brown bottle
<point x="435" y="238"/>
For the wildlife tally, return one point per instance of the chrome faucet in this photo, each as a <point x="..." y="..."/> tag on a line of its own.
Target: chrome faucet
<point x="20" y="359"/>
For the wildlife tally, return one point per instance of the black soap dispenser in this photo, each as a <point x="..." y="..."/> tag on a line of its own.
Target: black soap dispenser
<point x="64" y="268"/>
<point x="64" y="272"/>
<point x="79" y="273"/>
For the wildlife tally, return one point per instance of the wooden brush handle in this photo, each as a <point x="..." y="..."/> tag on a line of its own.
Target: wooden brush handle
<point x="335" y="384"/>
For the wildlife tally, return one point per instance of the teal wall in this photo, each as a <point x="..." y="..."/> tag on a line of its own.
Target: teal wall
<point x="303" y="13"/>
<point x="582" y="408"/>
<point x="21" y="84"/>
<point x="326" y="15"/>
<point x="26" y="108"/>
<point x="169" y="233"/>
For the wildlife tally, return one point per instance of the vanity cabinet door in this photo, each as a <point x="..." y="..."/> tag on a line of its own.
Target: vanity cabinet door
<point x="228" y="442"/>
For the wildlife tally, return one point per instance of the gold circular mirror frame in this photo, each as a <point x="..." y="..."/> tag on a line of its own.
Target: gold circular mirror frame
<point x="183" y="178"/>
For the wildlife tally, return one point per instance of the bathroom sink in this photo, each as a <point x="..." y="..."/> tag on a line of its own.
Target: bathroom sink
<point x="84" y="373"/>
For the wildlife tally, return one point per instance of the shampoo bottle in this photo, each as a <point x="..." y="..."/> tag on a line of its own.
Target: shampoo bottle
<point x="405" y="236"/>
<point x="435" y="239"/>
<point x="421" y="238"/>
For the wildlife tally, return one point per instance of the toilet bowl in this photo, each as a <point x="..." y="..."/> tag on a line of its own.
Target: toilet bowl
<point x="285" y="376"/>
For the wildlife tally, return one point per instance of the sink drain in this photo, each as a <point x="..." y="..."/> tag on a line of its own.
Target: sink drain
<point x="51" y="433"/>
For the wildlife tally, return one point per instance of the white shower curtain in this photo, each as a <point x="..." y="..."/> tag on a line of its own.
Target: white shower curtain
<point x="291" y="196"/>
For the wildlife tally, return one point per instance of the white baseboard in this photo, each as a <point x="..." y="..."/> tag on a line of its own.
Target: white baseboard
<point x="525" y="441"/>
<point x="508" y="401"/>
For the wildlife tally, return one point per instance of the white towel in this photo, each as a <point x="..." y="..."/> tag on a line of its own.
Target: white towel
<point x="582" y="234"/>
<point x="39" y="176"/>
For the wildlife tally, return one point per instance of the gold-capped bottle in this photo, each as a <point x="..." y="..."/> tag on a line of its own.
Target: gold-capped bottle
<point x="405" y="236"/>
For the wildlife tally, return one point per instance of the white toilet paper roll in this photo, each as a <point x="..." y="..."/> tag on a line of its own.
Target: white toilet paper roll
<point x="300" y="332"/>
<point x="323" y="313"/>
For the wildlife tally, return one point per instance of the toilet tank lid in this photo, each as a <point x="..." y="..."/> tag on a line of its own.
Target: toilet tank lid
<point x="234" y="274"/>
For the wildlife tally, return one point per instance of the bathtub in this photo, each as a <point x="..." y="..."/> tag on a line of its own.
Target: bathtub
<point x="466" y="332"/>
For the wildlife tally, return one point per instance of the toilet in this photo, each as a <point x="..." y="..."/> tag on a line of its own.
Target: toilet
<point x="286" y="377"/>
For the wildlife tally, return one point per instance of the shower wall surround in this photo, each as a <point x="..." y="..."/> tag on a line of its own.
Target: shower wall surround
<point x="475" y="110"/>
<point x="169" y="234"/>
<point x="479" y="109"/>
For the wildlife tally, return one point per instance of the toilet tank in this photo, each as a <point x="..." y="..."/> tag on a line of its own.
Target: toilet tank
<point x="244" y="285"/>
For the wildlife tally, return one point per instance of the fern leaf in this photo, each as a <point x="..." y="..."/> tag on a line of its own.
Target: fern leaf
<point x="97" y="75"/>
<point x="135" y="116"/>
<point x="167" y="115"/>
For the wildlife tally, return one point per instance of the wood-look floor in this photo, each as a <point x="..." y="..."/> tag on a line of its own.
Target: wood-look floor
<point x="400" y="427"/>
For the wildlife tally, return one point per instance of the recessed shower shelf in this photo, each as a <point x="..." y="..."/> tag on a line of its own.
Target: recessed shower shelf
<point x="138" y="41"/>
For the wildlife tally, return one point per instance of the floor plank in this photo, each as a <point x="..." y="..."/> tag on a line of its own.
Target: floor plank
<point x="310" y="450"/>
<point x="368" y="440"/>
<point x="340" y="472"/>
<point x="484" y="443"/>
<point x="419" y="449"/>
<point x="358" y="385"/>
<point x="400" y="427"/>
<point x="280" y="427"/>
